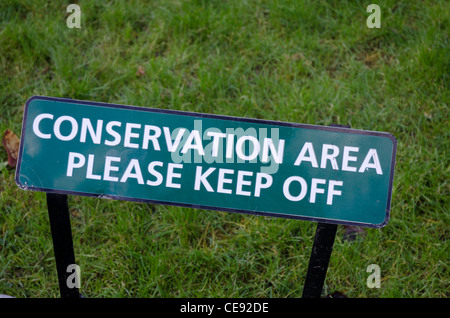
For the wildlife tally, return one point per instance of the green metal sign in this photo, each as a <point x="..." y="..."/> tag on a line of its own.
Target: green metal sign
<point x="317" y="173"/>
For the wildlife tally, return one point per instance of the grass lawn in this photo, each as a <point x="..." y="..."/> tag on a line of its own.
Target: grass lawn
<point x="310" y="62"/>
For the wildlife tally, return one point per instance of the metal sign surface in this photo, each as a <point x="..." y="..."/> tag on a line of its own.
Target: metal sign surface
<point x="316" y="173"/>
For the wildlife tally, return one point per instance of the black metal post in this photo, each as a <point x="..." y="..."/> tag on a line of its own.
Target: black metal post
<point x="58" y="212"/>
<point x="320" y="255"/>
<point x="319" y="260"/>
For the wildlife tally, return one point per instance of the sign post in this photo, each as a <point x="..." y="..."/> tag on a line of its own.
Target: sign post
<point x="58" y="212"/>
<point x="320" y="256"/>
<point x="317" y="173"/>
<point x="319" y="260"/>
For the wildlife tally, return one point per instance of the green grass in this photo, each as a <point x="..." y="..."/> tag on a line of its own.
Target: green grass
<point x="312" y="62"/>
